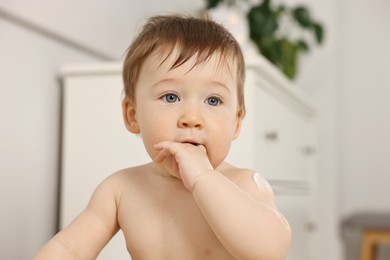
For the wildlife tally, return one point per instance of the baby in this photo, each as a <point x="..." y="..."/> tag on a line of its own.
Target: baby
<point x="183" y="80"/>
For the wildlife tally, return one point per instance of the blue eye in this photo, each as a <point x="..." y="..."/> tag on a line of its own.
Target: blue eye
<point x="214" y="101"/>
<point x="170" y="98"/>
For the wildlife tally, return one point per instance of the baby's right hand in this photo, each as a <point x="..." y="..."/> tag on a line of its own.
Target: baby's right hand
<point x="191" y="160"/>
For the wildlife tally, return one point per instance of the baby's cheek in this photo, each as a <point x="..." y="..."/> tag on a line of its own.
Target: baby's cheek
<point x="218" y="154"/>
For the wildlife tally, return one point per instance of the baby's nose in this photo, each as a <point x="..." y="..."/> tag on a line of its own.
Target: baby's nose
<point x="191" y="118"/>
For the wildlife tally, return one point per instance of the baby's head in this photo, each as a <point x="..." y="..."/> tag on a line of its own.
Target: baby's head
<point x="190" y="36"/>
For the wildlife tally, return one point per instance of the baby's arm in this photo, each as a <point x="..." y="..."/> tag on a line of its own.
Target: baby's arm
<point x="86" y="236"/>
<point x="243" y="216"/>
<point x="242" y="213"/>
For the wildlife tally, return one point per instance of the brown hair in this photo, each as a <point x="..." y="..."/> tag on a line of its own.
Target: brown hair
<point x="193" y="35"/>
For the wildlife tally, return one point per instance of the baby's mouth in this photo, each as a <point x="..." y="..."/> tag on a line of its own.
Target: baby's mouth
<point x="193" y="143"/>
<point x="201" y="146"/>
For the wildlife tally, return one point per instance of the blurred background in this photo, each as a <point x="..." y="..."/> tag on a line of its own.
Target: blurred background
<point x="348" y="77"/>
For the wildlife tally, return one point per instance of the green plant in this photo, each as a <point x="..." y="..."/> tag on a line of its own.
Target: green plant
<point x="280" y="33"/>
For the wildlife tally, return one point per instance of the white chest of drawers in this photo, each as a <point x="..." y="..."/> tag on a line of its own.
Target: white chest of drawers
<point x="280" y="139"/>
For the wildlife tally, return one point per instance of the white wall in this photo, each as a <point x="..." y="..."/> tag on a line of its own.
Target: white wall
<point x="365" y="107"/>
<point x="107" y="26"/>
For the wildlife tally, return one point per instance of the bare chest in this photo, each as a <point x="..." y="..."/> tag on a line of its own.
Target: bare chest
<point x="168" y="225"/>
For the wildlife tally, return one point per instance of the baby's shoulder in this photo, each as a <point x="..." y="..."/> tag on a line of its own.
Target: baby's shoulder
<point x="251" y="181"/>
<point x="127" y="175"/>
<point x="122" y="179"/>
<point x="236" y="174"/>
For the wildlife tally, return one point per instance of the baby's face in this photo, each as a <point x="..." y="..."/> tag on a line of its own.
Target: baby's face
<point x="197" y="105"/>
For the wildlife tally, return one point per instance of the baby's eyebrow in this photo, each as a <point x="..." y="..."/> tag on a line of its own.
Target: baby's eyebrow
<point x="211" y="82"/>
<point x="167" y="80"/>
<point x="218" y="83"/>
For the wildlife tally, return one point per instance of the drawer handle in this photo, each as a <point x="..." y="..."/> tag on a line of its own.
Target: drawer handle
<point x="272" y="136"/>
<point x="308" y="150"/>
<point x="310" y="226"/>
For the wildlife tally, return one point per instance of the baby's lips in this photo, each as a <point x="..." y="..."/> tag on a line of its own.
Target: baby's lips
<point x="201" y="146"/>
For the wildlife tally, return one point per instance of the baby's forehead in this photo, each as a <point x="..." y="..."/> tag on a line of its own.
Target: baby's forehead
<point x="176" y="56"/>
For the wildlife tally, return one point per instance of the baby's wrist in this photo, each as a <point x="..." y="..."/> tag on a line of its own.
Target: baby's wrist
<point x="201" y="175"/>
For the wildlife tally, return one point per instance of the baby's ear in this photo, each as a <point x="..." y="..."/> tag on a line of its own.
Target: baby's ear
<point x="129" y="115"/>
<point x="238" y="123"/>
